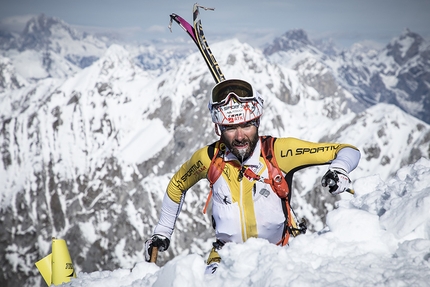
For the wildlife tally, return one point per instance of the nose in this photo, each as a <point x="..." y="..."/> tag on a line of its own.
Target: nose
<point x="240" y="134"/>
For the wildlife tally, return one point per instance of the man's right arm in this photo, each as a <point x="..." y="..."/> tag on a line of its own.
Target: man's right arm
<point x="189" y="174"/>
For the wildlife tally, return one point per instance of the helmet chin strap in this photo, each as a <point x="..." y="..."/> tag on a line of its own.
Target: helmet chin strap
<point x="217" y="130"/>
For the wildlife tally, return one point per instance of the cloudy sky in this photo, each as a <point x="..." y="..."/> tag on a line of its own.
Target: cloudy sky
<point x="253" y="21"/>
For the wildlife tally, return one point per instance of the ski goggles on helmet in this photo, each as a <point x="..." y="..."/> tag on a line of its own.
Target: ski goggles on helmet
<point x="239" y="89"/>
<point x="234" y="102"/>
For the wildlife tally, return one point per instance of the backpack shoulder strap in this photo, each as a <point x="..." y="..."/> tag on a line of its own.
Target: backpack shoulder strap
<point x="216" y="167"/>
<point x="211" y="149"/>
<point x="267" y="144"/>
<point x="217" y="163"/>
<point x="267" y="148"/>
<point x="279" y="185"/>
<point x="275" y="176"/>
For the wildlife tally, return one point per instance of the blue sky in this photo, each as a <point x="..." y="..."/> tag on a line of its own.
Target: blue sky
<point x="255" y="22"/>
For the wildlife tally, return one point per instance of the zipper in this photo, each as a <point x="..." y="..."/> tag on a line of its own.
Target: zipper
<point x="243" y="212"/>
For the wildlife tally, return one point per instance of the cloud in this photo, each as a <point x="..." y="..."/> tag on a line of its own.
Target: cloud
<point x="119" y="33"/>
<point x="156" y="29"/>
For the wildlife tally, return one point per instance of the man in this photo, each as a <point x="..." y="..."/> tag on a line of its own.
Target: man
<point x="250" y="176"/>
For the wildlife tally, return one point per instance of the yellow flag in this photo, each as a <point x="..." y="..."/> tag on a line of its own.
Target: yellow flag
<point x="44" y="265"/>
<point x="57" y="267"/>
<point x="62" y="266"/>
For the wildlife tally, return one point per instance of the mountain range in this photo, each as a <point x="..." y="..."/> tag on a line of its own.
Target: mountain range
<point x="92" y="130"/>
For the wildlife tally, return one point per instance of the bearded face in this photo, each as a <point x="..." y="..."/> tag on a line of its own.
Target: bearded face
<point x="240" y="139"/>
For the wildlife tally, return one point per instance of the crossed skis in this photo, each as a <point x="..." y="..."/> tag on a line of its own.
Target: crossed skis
<point x="196" y="33"/>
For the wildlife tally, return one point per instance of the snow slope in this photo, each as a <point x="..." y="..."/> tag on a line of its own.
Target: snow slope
<point x="379" y="237"/>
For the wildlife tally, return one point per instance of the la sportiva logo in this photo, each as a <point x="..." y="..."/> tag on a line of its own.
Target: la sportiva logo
<point x="196" y="168"/>
<point x="306" y="150"/>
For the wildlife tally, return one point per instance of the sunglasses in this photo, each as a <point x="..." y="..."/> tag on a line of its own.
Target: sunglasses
<point x="239" y="89"/>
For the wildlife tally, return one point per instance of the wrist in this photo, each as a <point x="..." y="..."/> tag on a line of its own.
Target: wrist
<point x="163" y="230"/>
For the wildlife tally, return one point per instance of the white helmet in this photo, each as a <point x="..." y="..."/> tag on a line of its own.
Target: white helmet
<point x="234" y="102"/>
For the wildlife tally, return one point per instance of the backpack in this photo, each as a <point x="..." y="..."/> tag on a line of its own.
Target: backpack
<point x="275" y="179"/>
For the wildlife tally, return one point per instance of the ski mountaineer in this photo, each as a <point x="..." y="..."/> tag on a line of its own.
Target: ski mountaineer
<point x="250" y="192"/>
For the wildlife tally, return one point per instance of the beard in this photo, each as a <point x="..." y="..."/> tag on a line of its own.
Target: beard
<point x="241" y="149"/>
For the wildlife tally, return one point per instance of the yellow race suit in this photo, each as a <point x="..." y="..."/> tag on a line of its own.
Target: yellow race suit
<point x="244" y="207"/>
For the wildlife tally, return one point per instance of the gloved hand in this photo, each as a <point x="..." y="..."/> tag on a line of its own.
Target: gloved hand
<point x="337" y="180"/>
<point x="157" y="240"/>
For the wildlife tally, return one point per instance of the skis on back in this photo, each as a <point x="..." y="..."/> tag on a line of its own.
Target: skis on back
<point x="196" y="33"/>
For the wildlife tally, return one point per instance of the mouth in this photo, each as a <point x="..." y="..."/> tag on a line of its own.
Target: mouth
<point x="241" y="146"/>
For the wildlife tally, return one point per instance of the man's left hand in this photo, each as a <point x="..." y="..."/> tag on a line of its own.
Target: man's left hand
<point x="337" y="180"/>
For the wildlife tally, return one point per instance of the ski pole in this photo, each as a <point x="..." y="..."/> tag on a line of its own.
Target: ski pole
<point x="331" y="182"/>
<point x="350" y="190"/>
<point x="154" y="255"/>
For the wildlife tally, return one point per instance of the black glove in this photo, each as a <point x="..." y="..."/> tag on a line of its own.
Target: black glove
<point x="157" y="240"/>
<point x="337" y="180"/>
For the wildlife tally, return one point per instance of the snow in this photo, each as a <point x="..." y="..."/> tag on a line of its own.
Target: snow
<point x="142" y="147"/>
<point x="378" y="237"/>
<point x="405" y="44"/>
<point x="28" y="64"/>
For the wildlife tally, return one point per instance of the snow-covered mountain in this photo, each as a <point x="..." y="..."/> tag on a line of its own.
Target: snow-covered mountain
<point x="88" y="149"/>
<point x="48" y="47"/>
<point x="398" y="74"/>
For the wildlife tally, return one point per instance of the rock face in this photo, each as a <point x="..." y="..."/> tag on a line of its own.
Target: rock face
<point x="88" y="147"/>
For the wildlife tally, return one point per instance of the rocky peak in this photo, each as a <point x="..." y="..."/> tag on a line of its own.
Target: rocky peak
<point x="39" y="32"/>
<point x="405" y="47"/>
<point x="295" y="39"/>
<point x="327" y="46"/>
